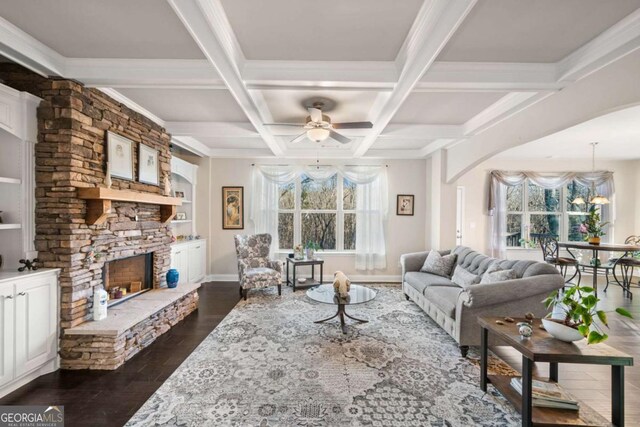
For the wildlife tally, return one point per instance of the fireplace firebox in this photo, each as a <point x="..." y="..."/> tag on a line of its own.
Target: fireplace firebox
<point x="126" y="278"/>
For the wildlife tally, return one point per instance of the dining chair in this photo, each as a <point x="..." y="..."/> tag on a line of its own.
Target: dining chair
<point x="551" y="255"/>
<point x="627" y="263"/>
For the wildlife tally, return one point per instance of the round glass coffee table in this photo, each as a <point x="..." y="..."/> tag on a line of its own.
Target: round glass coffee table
<point x="357" y="295"/>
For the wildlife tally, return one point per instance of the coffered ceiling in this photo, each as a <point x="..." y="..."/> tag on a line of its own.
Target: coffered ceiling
<point x="218" y="74"/>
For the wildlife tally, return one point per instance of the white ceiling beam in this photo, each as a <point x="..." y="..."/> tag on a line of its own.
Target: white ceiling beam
<point x="144" y="73"/>
<point x="488" y="76"/>
<point x="435" y="146"/>
<point x="320" y="75"/>
<point x="425" y="132"/>
<point x="434" y="26"/>
<point x="502" y="109"/>
<point x="208" y="25"/>
<point x="212" y="129"/>
<point x="191" y="144"/>
<point x="611" y="45"/>
<point x="25" y="50"/>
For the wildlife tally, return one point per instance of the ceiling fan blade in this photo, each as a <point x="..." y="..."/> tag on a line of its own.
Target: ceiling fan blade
<point x="353" y="125"/>
<point x="299" y="138"/>
<point x="340" y="138"/>
<point x="316" y="114"/>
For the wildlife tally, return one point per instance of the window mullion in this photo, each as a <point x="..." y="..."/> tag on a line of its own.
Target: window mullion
<point x="339" y="213"/>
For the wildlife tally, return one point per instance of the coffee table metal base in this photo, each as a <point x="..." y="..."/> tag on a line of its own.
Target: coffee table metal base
<point x="341" y="313"/>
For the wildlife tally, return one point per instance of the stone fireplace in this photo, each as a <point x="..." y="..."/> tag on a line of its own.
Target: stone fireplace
<point x="127" y="278"/>
<point x="73" y="121"/>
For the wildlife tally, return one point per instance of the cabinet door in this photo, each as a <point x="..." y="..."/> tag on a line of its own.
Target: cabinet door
<point x="36" y="304"/>
<point x="196" y="262"/>
<point x="7" y="331"/>
<point x="180" y="261"/>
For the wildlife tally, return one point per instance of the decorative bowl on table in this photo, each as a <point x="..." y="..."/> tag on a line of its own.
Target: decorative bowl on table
<point x="561" y="332"/>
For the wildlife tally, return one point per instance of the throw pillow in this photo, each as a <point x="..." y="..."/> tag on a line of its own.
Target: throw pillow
<point x="463" y="278"/>
<point x="498" y="276"/>
<point x="493" y="267"/>
<point x="438" y="264"/>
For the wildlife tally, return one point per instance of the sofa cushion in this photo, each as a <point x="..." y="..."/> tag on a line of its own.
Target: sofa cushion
<point x="438" y="264"/>
<point x="463" y="278"/>
<point x="498" y="276"/>
<point x="539" y="268"/>
<point x="420" y="281"/>
<point x="443" y="297"/>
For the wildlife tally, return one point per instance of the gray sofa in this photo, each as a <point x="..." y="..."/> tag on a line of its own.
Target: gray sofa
<point x="456" y="309"/>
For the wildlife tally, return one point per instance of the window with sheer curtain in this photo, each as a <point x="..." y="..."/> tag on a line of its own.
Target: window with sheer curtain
<point x="319" y="211"/>
<point x="533" y="211"/>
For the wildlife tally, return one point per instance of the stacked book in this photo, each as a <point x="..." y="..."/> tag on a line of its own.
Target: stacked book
<point x="547" y="395"/>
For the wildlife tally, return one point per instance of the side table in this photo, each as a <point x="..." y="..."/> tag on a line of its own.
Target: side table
<point x="542" y="347"/>
<point x="295" y="263"/>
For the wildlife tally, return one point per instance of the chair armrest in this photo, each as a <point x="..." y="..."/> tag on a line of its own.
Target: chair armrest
<point x="275" y="265"/>
<point x="510" y="290"/>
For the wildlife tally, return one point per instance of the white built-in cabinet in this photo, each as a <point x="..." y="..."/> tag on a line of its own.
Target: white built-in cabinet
<point x="29" y="315"/>
<point x="189" y="258"/>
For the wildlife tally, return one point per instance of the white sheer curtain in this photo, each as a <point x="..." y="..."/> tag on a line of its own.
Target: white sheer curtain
<point x="500" y="180"/>
<point x="371" y="204"/>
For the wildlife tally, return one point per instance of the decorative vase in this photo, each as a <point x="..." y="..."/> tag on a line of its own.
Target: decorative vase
<point x="561" y="332"/>
<point x="594" y="240"/>
<point x="310" y="253"/>
<point x="107" y="178"/>
<point x="173" y="276"/>
<point x="167" y="186"/>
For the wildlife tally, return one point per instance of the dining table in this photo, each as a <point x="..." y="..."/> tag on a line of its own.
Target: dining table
<point x="596" y="248"/>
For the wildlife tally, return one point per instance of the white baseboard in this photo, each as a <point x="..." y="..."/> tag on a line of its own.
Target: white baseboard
<point x="47" y="368"/>
<point x="373" y="278"/>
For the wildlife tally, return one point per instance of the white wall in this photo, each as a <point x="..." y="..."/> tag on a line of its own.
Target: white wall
<point x="403" y="233"/>
<point x="476" y="183"/>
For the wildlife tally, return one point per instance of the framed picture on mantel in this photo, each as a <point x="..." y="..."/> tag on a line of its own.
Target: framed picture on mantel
<point x="232" y="208"/>
<point x="148" y="165"/>
<point x="120" y="156"/>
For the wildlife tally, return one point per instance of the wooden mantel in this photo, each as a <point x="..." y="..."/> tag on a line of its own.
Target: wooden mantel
<point x="99" y="202"/>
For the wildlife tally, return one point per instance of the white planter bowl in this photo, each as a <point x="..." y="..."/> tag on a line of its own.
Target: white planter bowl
<point x="561" y="332"/>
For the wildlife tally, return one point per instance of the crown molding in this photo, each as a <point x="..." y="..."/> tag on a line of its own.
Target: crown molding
<point x="131" y="104"/>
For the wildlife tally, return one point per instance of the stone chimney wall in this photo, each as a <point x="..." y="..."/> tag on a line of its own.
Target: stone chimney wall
<point x="73" y="121"/>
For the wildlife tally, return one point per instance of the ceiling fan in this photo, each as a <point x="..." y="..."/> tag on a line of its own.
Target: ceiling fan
<point x="318" y="126"/>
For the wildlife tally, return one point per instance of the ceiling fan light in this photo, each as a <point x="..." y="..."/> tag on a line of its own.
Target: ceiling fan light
<point x="318" y="134"/>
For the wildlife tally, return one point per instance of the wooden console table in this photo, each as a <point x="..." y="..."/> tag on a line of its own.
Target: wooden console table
<point x="542" y="347"/>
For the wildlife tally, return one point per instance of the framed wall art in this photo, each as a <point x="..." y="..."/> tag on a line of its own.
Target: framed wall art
<point x="148" y="168"/>
<point x="404" y="204"/>
<point x="232" y="208"/>
<point x="120" y="156"/>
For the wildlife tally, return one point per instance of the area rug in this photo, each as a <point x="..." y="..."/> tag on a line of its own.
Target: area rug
<point x="268" y="364"/>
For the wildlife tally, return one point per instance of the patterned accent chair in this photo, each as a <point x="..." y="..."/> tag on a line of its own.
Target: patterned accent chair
<point x="255" y="269"/>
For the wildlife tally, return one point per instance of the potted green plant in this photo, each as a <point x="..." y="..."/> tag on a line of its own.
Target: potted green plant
<point x="311" y="247"/>
<point x="592" y="227"/>
<point x="578" y="308"/>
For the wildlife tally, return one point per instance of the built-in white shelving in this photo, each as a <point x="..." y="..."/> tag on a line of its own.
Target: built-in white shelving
<point x="181" y="221"/>
<point x="183" y="184"/>
<point x="18" y="136"/>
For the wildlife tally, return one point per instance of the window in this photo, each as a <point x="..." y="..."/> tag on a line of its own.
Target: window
<point x="533" y="211"/>
<point x="318" y="211"/>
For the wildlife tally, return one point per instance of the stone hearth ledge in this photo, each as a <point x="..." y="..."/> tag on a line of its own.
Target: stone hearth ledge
<point x="126" y="315"/>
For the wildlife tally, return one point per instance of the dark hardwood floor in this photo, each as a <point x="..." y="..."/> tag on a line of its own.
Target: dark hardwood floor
<point x="110" y="398"/>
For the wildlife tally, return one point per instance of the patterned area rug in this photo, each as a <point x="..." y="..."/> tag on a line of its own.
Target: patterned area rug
<point x="268" y="364"/>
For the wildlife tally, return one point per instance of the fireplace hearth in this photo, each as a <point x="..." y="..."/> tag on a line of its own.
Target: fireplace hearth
<point x="126" y="278"/>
